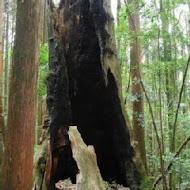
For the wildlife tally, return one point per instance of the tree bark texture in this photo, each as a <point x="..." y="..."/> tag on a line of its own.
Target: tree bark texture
<point x="6" y="63"/>
<point x="40" y="160"/>
<point x="19" y="138"/>
<point x="84" y="89"/>
<point x="136" y="76"/>
<point x="1" y="84"/>
<point x="1" y="63"/>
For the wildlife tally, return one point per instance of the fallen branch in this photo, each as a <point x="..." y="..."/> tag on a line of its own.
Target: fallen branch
<point x="178" y="106"/>
<point x="171" y="163"/>
<point x="157" y="136"/>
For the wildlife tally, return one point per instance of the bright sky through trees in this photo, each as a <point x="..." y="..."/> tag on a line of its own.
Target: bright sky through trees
<point x="114" y="6"/>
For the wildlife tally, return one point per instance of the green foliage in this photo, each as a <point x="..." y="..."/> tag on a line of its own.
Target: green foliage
<point x="44" y="55"/>
<point x="43" y="69"/>
<point x="157" y="43"/>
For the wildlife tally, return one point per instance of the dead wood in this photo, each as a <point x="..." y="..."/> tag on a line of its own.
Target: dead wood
<point x="89" y="177"/>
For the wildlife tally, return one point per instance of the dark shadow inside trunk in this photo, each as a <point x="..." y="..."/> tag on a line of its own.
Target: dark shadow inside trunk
<point x="98" y="115"/>
<point x="95" y="106"/>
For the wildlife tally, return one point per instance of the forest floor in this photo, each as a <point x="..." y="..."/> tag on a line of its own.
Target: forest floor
<point x="67" y="185"/>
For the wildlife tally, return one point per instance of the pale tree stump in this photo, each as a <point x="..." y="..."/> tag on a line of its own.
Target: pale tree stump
<point x="89" y="177"/>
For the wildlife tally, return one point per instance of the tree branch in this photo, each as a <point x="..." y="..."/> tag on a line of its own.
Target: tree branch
<point x="172" y="161"/>
<point x="157" y="136"/>
<point x="178" y="106"/>
<point x="130" y="15"/>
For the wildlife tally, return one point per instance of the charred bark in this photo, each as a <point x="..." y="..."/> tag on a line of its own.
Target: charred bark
<point x="84" y="89"/>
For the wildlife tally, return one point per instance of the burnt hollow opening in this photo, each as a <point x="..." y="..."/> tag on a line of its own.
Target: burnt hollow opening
<point x="98" y="115"/>
<point x="85" y="100"/>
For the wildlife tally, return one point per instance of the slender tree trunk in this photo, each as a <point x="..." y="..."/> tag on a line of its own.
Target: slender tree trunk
<point x="45" y="23"/>
<point x="13" y="4"/>
<point x="188" y="28"/>
<point x="118" y="23"/>
<point x="1" y="66"/>
<point x="1" y="84"/>
<point x="6" y="63"/>
<point x="19" y="139"/>
<point x="167" y="58"/>
<point x="136" y="75"/>
<point x="157" y="138"/>
<point x="160" y="85"/>
<point x="170" y="83"/>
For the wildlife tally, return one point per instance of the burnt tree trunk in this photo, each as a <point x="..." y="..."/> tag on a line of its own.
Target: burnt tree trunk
<point x="84" y="89"/>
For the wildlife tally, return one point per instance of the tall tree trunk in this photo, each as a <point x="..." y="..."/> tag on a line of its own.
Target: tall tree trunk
<point x="84" y="89"/>
<point x="1" y="63"/>
<point x="45" y="24"/>
<point x="1" y="83"/>
<point x="19" y="138"/>
<point x="6" y="63"/>
<point x="188" y="29"/>
<point x="13" y="4"/>
<point x="118" y="23"/>
<point x="136" y="75"/>
<point x="170" y="81"/>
